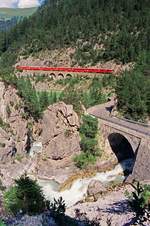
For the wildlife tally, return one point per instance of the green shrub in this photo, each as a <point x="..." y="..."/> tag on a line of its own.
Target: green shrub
<point x="132" y="95"/>
<point x="88" y="145"/>
<point x="35" y="102"/>
<point x="139" y="201"/>
<point x="26" y="196"/>
<point x="53" y="97"/>
<point x="72" y="96"/>
<point x="31" y="100"/>
<point x="84" y="159"/>
<point x="47" y="98"/>
<point x="58" y="207"/>
<point x="11" y="202"/>
<point x="78" y="97"/>
<point x="89" y="126"/>
<point x="43" y="100"/>
<point x="69" y="81"/>
<point x="40" y="78"/>
<point x="94" y="95"/>
<point x="133" y="92"/>
<point x="109" y="81"/>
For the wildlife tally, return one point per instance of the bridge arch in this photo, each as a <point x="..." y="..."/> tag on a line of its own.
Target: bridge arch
<point x="123" y="150"/>
<point x="60" y="76"/>
<point x="121" y="146"/>
<point x="53" y="75"/>
<point x="68" y="75"/>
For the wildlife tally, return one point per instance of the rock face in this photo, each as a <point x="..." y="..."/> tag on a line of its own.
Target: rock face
<point x="95" y="188"/>
<point x="55" y="139"/>
<point x="59" y="136"/>
<point x="2" y="102"/>
<point x="12" y="125"/>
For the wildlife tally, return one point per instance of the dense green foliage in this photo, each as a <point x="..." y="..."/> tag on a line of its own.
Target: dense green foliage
<point x="133" y="91"/>
<point x="71" y="96"/>
<point x="84" y="159"/>
<point x="26" y="196"/>
<point x="89" y="96"/>
<point x="35" y="102"/>
<point x="94" y="95"/>
<point x="104" y="29"/>
<point x="139" y="201"/>
<point x="89" y="143"/>
<point x="1" y="223"/>
<point x="99" y="30"/>
<point x="29" y="94"/>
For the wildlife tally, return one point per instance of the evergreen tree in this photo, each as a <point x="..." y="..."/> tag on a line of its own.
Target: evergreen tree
<point x="123" y="26"/>
<point x="132" y="95"/>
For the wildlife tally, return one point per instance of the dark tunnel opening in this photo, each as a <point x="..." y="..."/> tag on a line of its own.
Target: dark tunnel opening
<point x="123" y="151"/>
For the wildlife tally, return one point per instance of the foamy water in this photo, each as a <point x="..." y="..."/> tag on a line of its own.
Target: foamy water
<point x="79" y="187"/>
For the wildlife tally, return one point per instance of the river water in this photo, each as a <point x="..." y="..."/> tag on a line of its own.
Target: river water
<point x="78" y="190"/>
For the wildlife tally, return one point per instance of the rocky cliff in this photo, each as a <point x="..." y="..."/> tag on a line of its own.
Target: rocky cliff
<point x="55" y="138"/>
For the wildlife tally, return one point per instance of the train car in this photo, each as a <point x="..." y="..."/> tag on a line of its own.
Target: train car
<point x="60" y="72"/>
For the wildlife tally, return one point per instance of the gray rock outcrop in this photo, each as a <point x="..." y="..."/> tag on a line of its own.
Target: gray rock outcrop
<point x="55" y="137"/>
<point x="12" y="124"/>
<point x="60" y="135"/>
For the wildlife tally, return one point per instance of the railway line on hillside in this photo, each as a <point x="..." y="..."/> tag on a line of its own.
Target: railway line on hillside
<point x="61" y="72"/>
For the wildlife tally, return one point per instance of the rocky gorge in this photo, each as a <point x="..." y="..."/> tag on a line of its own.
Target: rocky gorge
<point x="55" y="137"/>
<point x="54" y="140"/>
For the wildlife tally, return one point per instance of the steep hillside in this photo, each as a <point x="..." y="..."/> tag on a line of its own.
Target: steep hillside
<point x="87" y="33"/>
<point x="10" y="16"/>
<point x="100" y="30"/>
<point x="46" y="129"/>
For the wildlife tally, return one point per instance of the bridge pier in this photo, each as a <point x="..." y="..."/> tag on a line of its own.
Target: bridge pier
<point x="141" y="170"/>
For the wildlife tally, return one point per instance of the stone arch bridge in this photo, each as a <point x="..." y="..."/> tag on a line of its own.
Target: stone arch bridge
<point x="132" y="139"/>
<point x="59" y="72"/>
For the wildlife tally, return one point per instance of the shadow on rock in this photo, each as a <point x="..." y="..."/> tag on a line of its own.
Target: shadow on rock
<point x="118" y="208"/>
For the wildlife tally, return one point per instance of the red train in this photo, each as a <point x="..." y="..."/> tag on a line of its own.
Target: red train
<point x="65" y="69"/>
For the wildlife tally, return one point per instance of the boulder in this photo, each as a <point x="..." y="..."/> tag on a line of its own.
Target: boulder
<point x="95" y="189"/>
<point x="60" y="136"/>
<point x="62" y="146"/>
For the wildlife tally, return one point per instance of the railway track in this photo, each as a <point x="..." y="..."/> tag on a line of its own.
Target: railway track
<point x="61" y="72"/>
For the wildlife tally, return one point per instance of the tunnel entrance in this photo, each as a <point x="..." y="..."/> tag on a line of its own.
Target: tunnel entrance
<point x="122" y="149"/>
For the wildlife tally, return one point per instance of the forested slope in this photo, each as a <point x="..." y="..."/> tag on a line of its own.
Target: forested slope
<point x="112" y="29"/>
<point x="98" y="30"/>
